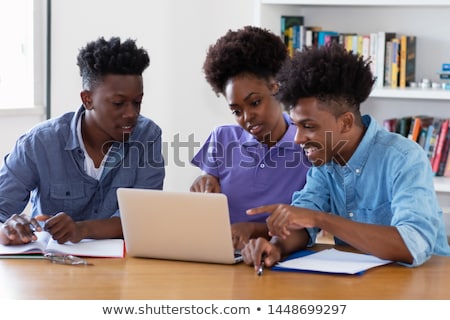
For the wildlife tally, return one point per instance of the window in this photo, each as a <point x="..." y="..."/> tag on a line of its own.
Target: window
<point x="22" y="57"/>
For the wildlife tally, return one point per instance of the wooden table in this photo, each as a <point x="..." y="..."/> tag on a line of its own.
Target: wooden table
<point x="137" y="279"/>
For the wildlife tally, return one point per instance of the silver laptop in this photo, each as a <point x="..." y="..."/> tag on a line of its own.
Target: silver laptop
<point x="186" y="226"/>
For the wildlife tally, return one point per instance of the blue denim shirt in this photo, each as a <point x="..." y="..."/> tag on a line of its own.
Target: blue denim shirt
<point x="387" y="181"/>
<point x="47" y="163"/>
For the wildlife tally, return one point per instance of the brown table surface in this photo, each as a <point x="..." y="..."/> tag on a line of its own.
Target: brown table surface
<point x="137" y="278"/>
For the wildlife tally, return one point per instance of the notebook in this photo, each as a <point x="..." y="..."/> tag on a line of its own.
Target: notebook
<point x="187" y="226"/>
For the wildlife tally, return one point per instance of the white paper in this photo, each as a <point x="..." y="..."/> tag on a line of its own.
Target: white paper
<point x="113" y="248"/>
<point x="334" y="261"/>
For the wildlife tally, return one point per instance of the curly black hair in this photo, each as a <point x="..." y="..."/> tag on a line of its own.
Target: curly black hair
<point x="99" y="58"/>
<point x="251" y="50"/>
<point x="328" y="73"/>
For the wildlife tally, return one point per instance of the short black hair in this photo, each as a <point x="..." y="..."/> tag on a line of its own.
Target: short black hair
<point x="251" y="50"/>
<point x="101" y="57"/>
<point x="328" y="73"/>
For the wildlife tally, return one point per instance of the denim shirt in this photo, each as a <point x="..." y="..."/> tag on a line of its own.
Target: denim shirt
<point x="387" y="181"/>
<point x="46" y="167"/>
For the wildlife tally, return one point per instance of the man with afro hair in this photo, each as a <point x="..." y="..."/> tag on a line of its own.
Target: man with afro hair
<point x="372" y="189"/>
<point x="70" y="167"/>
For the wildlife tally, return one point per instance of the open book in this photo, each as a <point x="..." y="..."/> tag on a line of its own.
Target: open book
<point x="106" y="248"/>
<point x="329" y="261"/>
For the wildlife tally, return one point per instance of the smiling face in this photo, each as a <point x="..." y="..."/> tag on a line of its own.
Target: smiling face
<point x="112" y="108"/>
<point x="252" y="102"/>
<point x="324" y="136"/>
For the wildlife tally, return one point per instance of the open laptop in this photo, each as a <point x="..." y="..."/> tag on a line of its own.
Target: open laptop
<point x="186" y="226"/>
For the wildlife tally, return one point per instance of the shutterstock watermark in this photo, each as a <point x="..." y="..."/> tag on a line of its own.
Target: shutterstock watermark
<point x="180" y="151"/>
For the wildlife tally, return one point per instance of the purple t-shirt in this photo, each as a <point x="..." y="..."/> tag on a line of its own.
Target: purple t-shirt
<point x="249" y="173"/>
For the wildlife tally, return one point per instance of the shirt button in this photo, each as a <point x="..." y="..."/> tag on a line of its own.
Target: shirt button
<point x="262" y="165"/>
<point x="358" y="171"/>
<point x="350" y="214"/>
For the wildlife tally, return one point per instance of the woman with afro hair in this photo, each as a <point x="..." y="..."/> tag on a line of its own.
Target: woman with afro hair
<point x="256" y="161"/>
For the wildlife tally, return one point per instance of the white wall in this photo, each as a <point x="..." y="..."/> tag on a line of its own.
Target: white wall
<point x="177" y="34"/>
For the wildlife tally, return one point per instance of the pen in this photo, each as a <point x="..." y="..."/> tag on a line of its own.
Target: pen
<point x="32" y="228"/>
<point x="35" y="229"/>
<point x="261" y="267"/>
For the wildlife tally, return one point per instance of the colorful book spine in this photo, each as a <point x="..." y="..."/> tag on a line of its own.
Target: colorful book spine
<point x="289" y="31"/>
<point x="432" y="138"/>
<point x="395" y="62"/>
<point x="383" y="38"/>
<point x="444" y="156"/>
<point x="440" y="146"/>
<point x="388" y="64"/>
<point x="407" y="60"/>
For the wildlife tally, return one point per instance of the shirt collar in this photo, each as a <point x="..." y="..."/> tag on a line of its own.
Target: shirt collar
<point x="287" y="140"/>
<point x="359" y="158"/>
<point x="72" y="141"/>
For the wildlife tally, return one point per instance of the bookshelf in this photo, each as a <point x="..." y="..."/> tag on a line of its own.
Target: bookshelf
<point x="427" y="19"/>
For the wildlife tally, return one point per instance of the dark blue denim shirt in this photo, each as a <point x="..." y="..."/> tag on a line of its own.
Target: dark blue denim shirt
<point x="46" y="166"/>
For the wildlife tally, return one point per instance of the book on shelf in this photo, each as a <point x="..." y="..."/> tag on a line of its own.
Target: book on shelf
<point x="432" y="137"/>
<point x="105" y="248"/>
<point x="326" y="36"/>
<point x="390" y="124"/>
<point x="444" y="156"/>
<point x="346" y="40"/>
<point x="290" y="31"/>
<point x="298" y="37"/>
<point x="417" y="124"/>
<point x="373" y="52"/>
<point x="395" y="68"/>
<point x="422" y="136"/>
<point x="388" y="64"/>
<point x="311" y="35"/>
<point x="404" y="126"/>
<point x="407" y="60"/>
<point x="383" y="38"/>
<point x="440" y="141"/>
<point x="365" y="46"/>
<point x="446" y="172"/>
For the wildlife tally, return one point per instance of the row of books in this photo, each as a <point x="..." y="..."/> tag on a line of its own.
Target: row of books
<point x="392" y="55"/>
<point x="432" y="133"/>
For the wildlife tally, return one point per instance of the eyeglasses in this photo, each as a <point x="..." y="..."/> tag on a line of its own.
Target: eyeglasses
<point x="66" y="259"/>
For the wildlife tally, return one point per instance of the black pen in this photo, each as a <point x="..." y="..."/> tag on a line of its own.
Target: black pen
<point x="261" y="267"/>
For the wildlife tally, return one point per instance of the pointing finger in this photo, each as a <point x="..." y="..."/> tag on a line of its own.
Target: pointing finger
<point x="263" y="209"/>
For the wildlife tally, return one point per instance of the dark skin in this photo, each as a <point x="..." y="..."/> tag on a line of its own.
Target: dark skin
<point x="287" y="223"/>
<point x="252" y="102"/>
<point x="112" y="109"/>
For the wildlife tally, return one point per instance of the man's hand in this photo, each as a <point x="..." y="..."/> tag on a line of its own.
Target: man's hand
<point x="61" y="227"/>
<point x="285" y="218"/>
<point x="258" y="250"/>
<point x="19" y="229"/>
